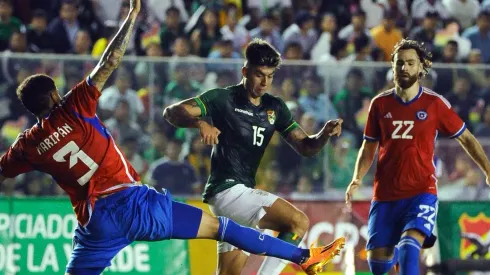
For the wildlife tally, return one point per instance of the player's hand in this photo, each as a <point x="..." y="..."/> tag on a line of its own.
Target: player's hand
<point x="353" y="186"/>
<point x="134" y="6"/>
<point x="333" y="127"/>
<point x="209" y="134"/>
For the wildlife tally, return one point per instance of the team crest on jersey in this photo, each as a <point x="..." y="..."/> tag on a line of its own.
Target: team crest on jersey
<point x="271" y="116"/>
<point x="421" y="115"/>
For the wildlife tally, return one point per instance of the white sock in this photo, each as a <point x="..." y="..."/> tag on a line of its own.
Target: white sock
<point x="272" y="266"/>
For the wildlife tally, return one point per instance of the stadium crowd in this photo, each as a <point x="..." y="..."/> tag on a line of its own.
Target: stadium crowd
<point x="335" y="60"/>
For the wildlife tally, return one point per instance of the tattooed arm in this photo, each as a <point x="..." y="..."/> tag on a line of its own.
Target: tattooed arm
<point x="114" y="52"/>
<point x="309" y="146"/>
<point x="185" y="114"/>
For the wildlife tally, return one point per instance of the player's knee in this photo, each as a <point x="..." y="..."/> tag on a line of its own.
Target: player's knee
<point x="300" y="223"/>
<point x="380" y="267"/>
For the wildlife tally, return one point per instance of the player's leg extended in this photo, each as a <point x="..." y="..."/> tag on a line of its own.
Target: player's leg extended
<point x="292" y="224"/>
<point x="384" y="233"/>
<point x="419" y="223"/>
<point x="246" y="238"/>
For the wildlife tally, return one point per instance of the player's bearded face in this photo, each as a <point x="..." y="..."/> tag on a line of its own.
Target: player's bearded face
<point x="258" y="79"/>
<point x="406" y="68"/>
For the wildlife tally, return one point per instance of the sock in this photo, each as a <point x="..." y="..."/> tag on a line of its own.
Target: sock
<point x="409" y="256"/>
<point x="378" y="267"/>
<point x="274" y="266"/>
<point x="255" y="242"/>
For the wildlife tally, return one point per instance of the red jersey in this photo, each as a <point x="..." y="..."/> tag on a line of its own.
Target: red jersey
<point x="407" y="132"/>
<point x="74" y="147"/>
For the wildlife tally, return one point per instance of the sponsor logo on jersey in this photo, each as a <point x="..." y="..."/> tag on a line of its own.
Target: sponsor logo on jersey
<point x="475" y="236"/>
<point x="271" y="116"/>
<point x="421" y="115"/>
<point x="248" y="113"/>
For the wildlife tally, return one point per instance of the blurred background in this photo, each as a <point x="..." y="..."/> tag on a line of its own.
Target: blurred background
<point x="336" y="58"/>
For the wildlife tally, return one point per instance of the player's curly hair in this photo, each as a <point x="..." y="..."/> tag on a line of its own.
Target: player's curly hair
<point x="260" y="53"/>
<point x="35" y="93"/>
<point x="424" y="55"/>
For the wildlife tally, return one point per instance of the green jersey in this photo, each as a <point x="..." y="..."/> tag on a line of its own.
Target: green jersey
<point x="246" y="130"/>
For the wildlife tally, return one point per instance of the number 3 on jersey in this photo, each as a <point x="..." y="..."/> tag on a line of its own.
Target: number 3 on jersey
<point x="402" y="130"/>
<point x="258" y="136"/>
<point x="75" y="155"/>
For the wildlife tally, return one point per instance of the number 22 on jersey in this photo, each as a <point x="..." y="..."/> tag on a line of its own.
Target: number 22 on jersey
<point x="76" y="154"/>
<point x="402" y="130"/>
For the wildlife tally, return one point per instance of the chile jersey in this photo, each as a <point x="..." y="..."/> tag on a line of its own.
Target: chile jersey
<point x="74" y="147"/>
<point x="407" y="132"/>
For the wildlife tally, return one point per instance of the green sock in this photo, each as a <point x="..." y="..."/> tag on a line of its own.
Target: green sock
<point x="290" y="238"/>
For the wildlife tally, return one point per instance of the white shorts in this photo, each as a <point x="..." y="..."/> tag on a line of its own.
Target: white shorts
<point x="242" y="204"/>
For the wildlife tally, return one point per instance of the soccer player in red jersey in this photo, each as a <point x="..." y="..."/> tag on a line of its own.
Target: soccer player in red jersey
<point x="113" y="208"/>
<point x="405" y="122"/>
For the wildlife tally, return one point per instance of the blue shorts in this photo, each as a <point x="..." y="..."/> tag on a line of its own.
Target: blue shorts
<point x="389" y="219"/>
<point x="138" y="213"/>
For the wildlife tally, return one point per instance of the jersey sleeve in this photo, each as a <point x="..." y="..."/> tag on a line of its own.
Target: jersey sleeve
<point x="13" y="162"/>
<point x="284" y="123"/>
<point x="83" y="98"/>
<point x="372" y="131"/>
<point x="210" y="102"/>
<point x="449" y="123"/>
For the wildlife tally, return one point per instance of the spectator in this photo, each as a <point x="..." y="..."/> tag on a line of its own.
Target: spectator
<point x="120" y="125"/>
<point x="121" y="90"/>
<point x="465" y="11"/>
<point x="223" y="49"/>
<point x="483" y="129"/>
<point x="333" y="67"/>
<point x="198" y="158"/>
<point x="172" y="173"/>
<point x="83" y="43"/>
<point x="204" y="37"/>
<point x="180" y="87"/>
<point x="18" y="42"/>
<point x="302" y="32"/>
<point x="268" y="31"/>
<point x="399" y="8"/>
<point x="38" y="38"/>
<point x="235" y="32"/>
<point x="157" y="146"/>
<point x="462" y="98"/>
<point x="129" y="146"/>
<point x="328" y="27"/>
<point x="386" y="35"/>
<point x="355" y="29"/>
<point x="8" y="23"/>
<point x="349" y="100"/>
<point x="315" y="101"/>
<point x="65" y="27"/>
<point x="170" y="30"/>
<point x="421" y="7"/>
<point x="479" y="35"/>
<point x="427" y="31"/>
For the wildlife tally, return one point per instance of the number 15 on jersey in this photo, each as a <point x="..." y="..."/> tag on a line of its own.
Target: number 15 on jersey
<point x="258" y="135"/>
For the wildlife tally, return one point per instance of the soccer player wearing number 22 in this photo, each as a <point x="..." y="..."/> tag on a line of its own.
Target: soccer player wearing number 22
<point x="405" y="123"/>
<point x="113" y="209"/>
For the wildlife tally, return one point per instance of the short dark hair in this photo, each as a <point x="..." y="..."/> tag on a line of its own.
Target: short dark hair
<point x="172" y="9"/>
<point x="35" y="93"/>
<point x="38" y="13"/>
<point x="424" y="55"/>
<point x="260" y="53"/>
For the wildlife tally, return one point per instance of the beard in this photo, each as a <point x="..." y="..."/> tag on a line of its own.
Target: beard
<point x="406" y="82"/>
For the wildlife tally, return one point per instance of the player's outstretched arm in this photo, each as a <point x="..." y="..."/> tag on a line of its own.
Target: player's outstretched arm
<point x="364" y="160"/>
<point x="475" y="151"/>
<point x="309" y="146"/>
<point x="186" y="114"/>
<point x="113" y="54"/>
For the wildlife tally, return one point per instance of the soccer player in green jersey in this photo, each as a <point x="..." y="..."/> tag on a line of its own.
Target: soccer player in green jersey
<point x="245" y="117"/>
